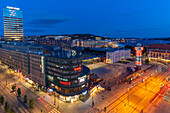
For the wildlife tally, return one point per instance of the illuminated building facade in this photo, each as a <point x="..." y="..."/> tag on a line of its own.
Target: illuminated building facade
<point x="67" y="76"/>
<point x="159" y="52"/>
<point x="116" y="55"/>
<point x="139" y="50"/>
<point x="93" y="43"/>
<point x="26" y="59"/>
<point x="13" y="24"/>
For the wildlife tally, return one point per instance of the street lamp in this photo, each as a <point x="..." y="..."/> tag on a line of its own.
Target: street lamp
<point x="92" y="101"/>
<point x="145" y="82"/>
<point x="128" y="94"/>
<point x="58" y="104"/>
<point x="54" y="99"/>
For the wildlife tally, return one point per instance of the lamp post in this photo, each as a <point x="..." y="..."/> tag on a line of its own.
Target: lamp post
<point x="54" y="99"/>
<point x="58" y="102"/>
<point x="145" y="82"/>
<point x="128" y="94"/>
<point x="92" y="101"/>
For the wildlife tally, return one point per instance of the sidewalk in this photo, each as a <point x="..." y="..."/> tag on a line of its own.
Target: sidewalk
<point x="107" y="97"/>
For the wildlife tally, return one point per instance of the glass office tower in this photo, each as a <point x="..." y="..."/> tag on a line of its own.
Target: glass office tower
<point x="13" y="24"/>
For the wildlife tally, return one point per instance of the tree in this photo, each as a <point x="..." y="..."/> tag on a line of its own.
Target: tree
<point x="19" y="92"/>
<point x="13" y="87"/>
<point x="1" y="99"/>
<point x="31" y="103"/>
<point x="103" y="46"/>
<point x="131" y="48"/>
<point x="11" y="111"/>
<point x="25" y="99"/>
<point x="6" y="107"/>
<point x="147" y="61"/>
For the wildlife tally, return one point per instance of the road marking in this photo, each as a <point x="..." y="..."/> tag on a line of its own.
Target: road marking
<point x="54" y="110"/>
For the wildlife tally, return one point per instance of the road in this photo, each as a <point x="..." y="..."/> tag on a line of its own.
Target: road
<point x="39" y="103"/>
<point x="139" y="96"/>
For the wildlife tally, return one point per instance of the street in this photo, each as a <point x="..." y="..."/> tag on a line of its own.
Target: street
<point x="39" y="104"/>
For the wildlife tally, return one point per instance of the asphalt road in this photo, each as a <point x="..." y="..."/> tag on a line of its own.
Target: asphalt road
<point x="139" y="96"/>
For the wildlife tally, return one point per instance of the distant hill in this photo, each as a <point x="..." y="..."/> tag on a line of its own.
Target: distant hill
<point x="166" y="39"/>
<point x="73" y="36"/>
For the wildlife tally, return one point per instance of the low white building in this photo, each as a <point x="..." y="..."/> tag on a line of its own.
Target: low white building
<point x="117" y="55"/>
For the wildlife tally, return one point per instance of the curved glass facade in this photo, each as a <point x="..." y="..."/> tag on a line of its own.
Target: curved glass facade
<point x="68" y="77"/>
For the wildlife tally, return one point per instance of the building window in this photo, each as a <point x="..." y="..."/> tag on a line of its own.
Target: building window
<point x="50" y="78"/>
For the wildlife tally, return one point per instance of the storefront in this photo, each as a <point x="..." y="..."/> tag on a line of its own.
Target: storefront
<point x="69" y="98"/>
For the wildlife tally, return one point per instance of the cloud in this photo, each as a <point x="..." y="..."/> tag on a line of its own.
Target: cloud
<point x="46" y="22"/>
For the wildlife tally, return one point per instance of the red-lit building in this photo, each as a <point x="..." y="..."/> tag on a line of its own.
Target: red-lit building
<point x="138" y="54"/>
<point x="159" y="52"/>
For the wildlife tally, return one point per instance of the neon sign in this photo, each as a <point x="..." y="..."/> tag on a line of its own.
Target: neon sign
<point x="78" y="68"/>
<point x="13" y="8"/>
<point x="62" y="79"/>
<point x="65" y="83"/>
<point x="74" y="53"/>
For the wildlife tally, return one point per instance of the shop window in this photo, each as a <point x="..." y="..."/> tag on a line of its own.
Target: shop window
<point x="50" y="78"/>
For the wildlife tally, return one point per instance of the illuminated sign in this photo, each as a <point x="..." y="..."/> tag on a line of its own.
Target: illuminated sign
<point x="78" y="68"/>
<point x="74" y="53"/>
<point x="42" y="64"/>
<point x="83" y="86"/>
<point x="65" y="83"/>
<point x="12" y="13"/>
<point x="13" y="8"/>
<point x="84" y="93"/>
<point x="62" y="79"/>
<point x="82" y="79"/>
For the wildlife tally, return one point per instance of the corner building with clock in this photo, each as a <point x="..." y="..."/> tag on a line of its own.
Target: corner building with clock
<point x="66" y="75"/>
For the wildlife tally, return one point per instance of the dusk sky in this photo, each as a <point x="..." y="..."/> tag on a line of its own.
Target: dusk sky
<point x="112" y="18"/>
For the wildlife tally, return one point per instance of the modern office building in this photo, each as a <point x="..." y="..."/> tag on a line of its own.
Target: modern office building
<point x="13" y="24"/>
<point x="159" y="52"/>
<point x="61" y="71"/>
<point x="25" y="58"/>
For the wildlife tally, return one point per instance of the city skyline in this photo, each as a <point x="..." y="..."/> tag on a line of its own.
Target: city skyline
<point x="84" y="56"/>
<point x="112" y="18"/>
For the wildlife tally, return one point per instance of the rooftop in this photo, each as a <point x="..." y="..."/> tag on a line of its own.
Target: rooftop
<point x="160" y="46"/>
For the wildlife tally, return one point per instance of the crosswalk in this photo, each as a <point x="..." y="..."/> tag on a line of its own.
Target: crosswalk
<point x="54" y="110"/>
